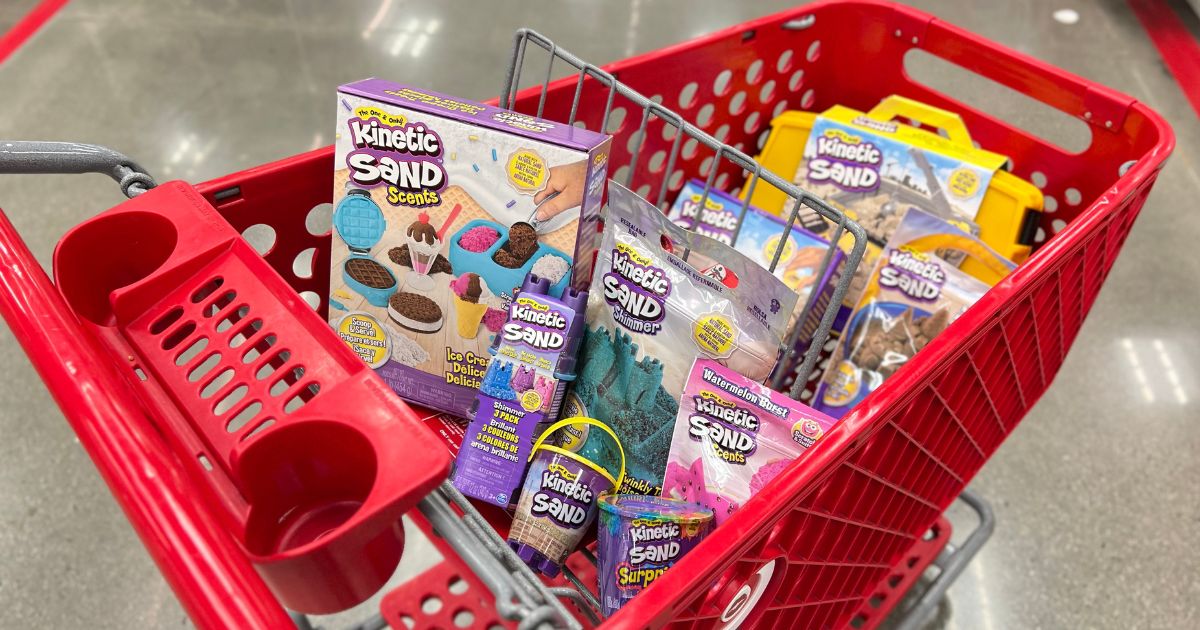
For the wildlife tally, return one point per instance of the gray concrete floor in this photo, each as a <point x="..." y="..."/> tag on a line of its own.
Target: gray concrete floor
<point x="1095" y="492"/>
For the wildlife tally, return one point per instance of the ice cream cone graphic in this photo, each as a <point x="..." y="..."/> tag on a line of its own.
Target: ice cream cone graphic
<point x="468" y="307"/>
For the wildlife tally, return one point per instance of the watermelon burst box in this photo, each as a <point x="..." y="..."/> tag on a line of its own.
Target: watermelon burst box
<point x="442" y="207"/>
<point x="733" y="436"/>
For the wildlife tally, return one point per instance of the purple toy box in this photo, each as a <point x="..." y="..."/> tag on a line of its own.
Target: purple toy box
<point x="441" y="208"/>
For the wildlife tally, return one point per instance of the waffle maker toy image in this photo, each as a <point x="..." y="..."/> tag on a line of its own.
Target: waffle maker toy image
<point x="360" y="223"/>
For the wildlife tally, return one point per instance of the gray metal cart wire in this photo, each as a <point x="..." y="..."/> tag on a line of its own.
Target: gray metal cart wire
<point x="755" y="173"/>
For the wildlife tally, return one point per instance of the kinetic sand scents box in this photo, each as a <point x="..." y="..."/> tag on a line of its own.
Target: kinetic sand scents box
<point x="441" y="208"/>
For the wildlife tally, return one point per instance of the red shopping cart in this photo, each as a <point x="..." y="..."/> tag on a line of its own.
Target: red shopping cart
<point x="295" y="493"/>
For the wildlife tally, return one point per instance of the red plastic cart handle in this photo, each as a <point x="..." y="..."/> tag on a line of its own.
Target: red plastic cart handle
<point x="200" y="561"/>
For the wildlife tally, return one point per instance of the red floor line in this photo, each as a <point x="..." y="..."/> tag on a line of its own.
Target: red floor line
<point x="27" y="26"/>
<point x="1178" y="48"/>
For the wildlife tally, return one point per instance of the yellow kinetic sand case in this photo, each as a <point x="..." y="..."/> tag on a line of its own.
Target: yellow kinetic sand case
<point x="1006" y="220"/>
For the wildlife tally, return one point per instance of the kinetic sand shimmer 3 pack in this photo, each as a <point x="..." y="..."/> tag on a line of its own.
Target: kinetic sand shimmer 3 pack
<point x="441" y="208"/>
<point x="522" y="392"/>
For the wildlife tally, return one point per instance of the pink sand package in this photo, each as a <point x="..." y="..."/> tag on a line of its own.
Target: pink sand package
<point x="732" y="436"/>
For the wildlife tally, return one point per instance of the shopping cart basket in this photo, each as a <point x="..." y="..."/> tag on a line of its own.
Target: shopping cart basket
<point x="807" y="551"/>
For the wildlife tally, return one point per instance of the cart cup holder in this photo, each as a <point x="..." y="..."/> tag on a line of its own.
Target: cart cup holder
<point x="312" y="459"/>
<point x="306" y="482"/>
<point x="108" y="253"/>
<point x="303" y="481"/>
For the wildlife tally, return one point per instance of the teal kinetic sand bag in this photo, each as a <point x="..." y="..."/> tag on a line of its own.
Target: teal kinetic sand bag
<point x="661" y="297"/>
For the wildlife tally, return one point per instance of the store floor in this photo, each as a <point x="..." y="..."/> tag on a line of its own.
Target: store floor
<point x="1095" y="493"/>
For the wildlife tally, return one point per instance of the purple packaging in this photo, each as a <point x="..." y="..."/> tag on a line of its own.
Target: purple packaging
<point x="661" y="297"/>
<point x="639" y="538"/>
<point x="733" y="436"/>
<point x="718" y="219"/>
<point x="430" y="190"/>
<point x="911" y="296"/>
<point x="558" y="500"/>
<point x="756" y="234"/>
<point x="522" y="391"/>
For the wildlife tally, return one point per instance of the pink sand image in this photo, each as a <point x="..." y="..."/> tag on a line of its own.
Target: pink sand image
<point x="494" y="319"/>
<point x="741" y="445"/>
<point x="468" y="289"/>
<point x="468" y="286"/>
<point x="478" y="239"/>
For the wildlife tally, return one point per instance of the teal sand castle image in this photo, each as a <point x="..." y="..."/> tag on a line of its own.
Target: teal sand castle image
<point x="625" y="393"/>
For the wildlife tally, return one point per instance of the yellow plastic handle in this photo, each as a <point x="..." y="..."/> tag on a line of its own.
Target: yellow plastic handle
<point x="562" y="451"/>
<point x="971" y="247"/>
<point x="893" y="106"/>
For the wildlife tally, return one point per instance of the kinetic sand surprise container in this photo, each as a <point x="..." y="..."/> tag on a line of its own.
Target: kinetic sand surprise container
<point x="640" y="537"/>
